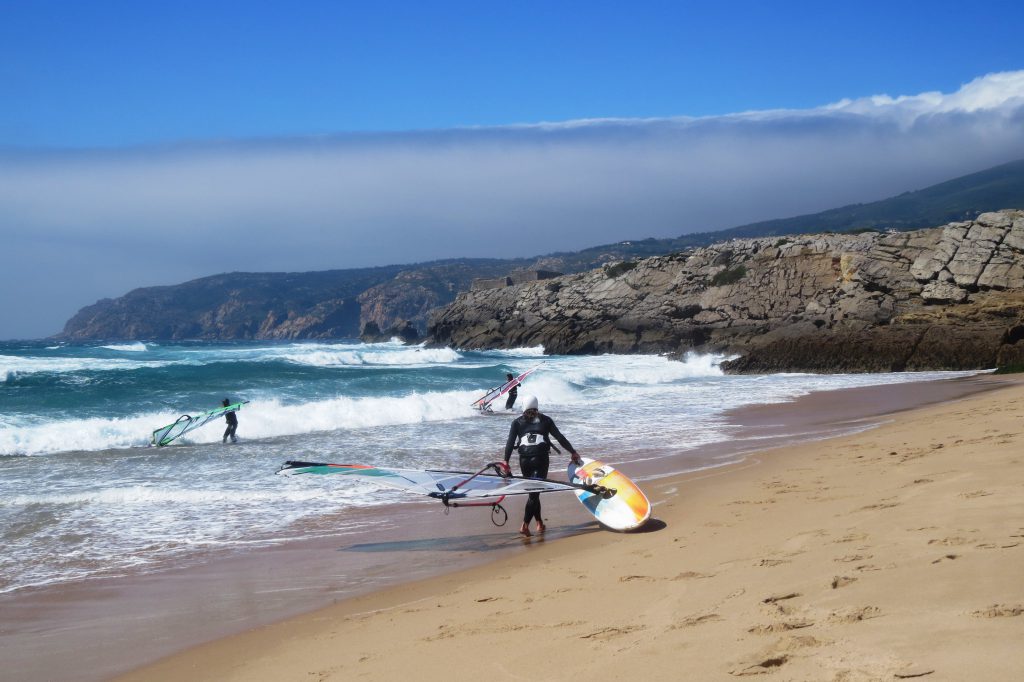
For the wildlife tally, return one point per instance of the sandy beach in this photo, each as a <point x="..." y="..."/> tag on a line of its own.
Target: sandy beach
<point x="894" y="553"/>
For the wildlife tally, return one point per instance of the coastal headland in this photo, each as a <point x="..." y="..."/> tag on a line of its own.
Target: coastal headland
<point x="949" y="297"/>
<point x="943" y="298"/>
<point x="891" y="553"/>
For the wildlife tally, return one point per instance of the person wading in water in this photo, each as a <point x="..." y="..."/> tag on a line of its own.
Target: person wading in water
<point x="232" y="420"/>
<point x="513" y="392"/>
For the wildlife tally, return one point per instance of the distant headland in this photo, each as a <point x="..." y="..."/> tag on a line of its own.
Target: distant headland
<point x="869" y="291"/>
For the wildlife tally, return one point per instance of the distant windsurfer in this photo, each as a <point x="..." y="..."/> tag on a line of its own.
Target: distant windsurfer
<point x="530" y="435"/>
<point x="232" y="420"/>
<point x="513" y="392"/>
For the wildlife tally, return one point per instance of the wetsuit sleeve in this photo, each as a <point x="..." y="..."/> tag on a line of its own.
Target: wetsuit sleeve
<point x="553" y="430"/>
<point x="513" y="433"/>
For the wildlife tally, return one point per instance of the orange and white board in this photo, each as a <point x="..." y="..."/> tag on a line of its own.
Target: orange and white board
<point x="627" y="508"/>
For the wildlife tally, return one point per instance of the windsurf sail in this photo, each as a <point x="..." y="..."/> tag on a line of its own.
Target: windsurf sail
<point x="452" y="488"/>
<point x="484" y="403"/>
<point x="435" y="483"/>
<point x="185" y="423"/>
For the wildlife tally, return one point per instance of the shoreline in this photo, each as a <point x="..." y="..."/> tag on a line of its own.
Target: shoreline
<point x="272" y="594"/>
<point x="892" y="554"/>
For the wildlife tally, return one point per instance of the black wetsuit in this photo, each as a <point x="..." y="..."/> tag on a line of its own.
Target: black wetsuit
<point x="513" y="393"/>
<point x="534" y="443"/>
<point x="229" y="432"/>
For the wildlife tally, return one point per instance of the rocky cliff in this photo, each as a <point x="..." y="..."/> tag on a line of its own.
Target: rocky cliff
<point x="234" y="306"/>
<point x="330" y="304"/>
<point x="303" y="305"/>
<point x="944" y="298"/>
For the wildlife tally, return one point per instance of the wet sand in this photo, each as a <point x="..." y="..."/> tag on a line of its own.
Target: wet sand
<point x="99" y="629"/>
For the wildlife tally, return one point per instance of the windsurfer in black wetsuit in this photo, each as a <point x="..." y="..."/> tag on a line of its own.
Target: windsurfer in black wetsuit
<point x="530" y="435"/>
<point x="232" y="420"/>
<point x="513" y="392"/>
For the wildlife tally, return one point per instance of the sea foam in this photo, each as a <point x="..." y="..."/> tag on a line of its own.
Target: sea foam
<point x="137" y="347"/>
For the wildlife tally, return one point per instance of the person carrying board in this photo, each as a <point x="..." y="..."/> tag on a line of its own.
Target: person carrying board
<point x="232" y="420"/>
<point x="530" y="435"/>
<point x="513" y="392"/>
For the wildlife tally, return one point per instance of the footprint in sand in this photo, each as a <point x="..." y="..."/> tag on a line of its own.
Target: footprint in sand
<point x="842" y="581"/>
<point x="854" y="614"/>
<point x="1000" y="611"/>
<point x="773" y="657"/>
<point x="612" y="632"/>
<point x="783" y="626"/>
<point x="881" y="505"/>
<point x="850" y="558"/>
<point x="949" y="542"/>
<point x="632" y="578"/>
<point x="782" y="596"/>
<point x="910" y="456"/>
<point x="911" y="672"/>
<point x="698" y="619"/>
<point x="948" y="557"/>
<point x="760" y="667"/>
<point x="691" y="575"/>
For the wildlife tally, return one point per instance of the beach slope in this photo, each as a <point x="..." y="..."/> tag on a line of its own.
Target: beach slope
<point x="895" y="553"/>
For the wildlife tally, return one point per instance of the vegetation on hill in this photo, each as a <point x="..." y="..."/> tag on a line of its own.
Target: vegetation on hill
<point x="960" y="199"/>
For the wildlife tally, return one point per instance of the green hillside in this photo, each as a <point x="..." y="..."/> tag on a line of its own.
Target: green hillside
<point x="960" y="199"/>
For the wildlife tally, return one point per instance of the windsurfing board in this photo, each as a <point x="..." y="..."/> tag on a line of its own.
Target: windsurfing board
<point x="627" y="508"/>
<point x="165" y="434"/>
<point x="501" y="413"/>
<point x="483" y="404"/>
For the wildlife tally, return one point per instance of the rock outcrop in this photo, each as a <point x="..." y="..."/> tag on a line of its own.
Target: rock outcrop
<point x="942" y="298"/>
<point x="405" y="331"/>
<point x="331" y="304"/>
<point x="234" y="306"/>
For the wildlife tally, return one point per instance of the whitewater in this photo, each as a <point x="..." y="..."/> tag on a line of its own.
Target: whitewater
<point x="83" y="496"/>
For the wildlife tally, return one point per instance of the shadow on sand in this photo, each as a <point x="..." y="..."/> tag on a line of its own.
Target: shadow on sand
<point x="484" y="542"/>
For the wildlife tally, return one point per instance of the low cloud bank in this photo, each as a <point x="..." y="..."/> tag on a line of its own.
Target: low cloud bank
<point x="142" y="216"/>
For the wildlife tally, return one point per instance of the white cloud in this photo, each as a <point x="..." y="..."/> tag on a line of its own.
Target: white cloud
<point x="992" y="92"/>
<point x="161" y="215"/>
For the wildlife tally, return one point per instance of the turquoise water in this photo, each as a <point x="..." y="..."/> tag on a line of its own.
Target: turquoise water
<point x="82" y="496"/>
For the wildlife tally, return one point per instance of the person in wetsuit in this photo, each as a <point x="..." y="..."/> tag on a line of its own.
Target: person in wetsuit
<point x="530" y="435"/>
<point x="232" y="420"/>
<point x="513" y="392"/>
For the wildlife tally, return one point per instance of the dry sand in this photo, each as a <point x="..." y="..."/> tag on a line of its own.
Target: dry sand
<point x="896" y="553"/>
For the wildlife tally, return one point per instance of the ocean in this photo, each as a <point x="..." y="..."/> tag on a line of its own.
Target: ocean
<point x="83" y="496"/>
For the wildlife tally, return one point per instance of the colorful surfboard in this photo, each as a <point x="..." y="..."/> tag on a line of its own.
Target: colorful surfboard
<point x="627" y="508"/>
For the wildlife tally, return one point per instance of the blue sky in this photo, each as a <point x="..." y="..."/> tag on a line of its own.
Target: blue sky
<point x="106" y="73"/>
<point x="148" y="143"/>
